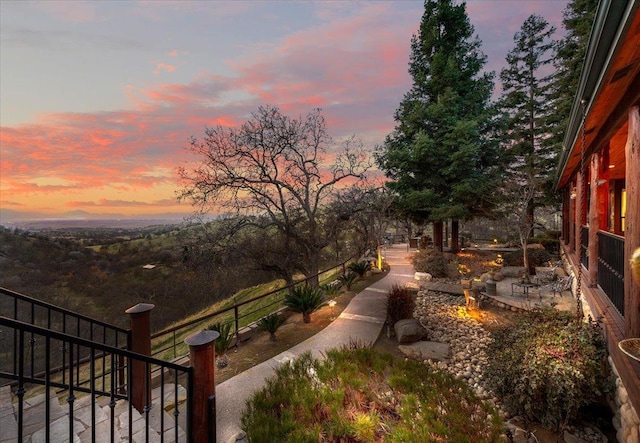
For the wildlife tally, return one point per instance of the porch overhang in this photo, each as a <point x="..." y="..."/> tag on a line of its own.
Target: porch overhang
<point x="609" y="86"/>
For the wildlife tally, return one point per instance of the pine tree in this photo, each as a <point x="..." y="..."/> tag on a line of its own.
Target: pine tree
<point x="526" y="101"/>
<point x="438" y="156"/>
<point x="570" y="52"/>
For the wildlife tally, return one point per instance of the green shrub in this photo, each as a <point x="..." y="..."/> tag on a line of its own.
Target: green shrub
<point x="348" y="279"/>
<point x="361" y="395"/>
<point x="222" y="343"/>
<point x="271" y="323"/>
<point x="400" y="304"/>
<point x="305" y="300"/>
<point x="547" y="366"/>
<point x="537" y="257"/>
<point x="431" y="261"/>
<point x="550" y="239"/>
<point x="360" y="268"/>
<point x="331" y="289"/>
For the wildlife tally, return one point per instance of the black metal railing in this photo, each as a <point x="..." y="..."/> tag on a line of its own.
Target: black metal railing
<point x="54" y="318"/>
<point x="169" y="343"/>
<point x="584" y="246"/>
<point x="611" y="268"/>
<point x="107" y="384"/>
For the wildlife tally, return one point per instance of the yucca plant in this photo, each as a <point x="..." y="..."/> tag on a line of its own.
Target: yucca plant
<point x="360" y="268"/>
<point x="271" y="323"/>
<point x="305" y="300"/>
<point x="331" y="289"/>
<point x="222" y="343"/>
<point x="348" y="279"/>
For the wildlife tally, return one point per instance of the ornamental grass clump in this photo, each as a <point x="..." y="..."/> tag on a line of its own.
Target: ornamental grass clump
<point x="305" y="300"/>
<point x="361" y="395"/>
<point x="548" y="366"/>
<point x="400" y="304"/>
<point x="430" y="261"/>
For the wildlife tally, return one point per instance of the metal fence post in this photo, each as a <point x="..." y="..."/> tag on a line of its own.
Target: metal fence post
<point x="202" y="355"/>
<point x="236" y="317"/>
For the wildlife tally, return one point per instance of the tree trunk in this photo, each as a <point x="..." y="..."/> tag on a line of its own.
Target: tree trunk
<point x="314" y="268"/>
<point x="437" y="236"/>
<point x="525" y="259"/>
<point x="455" y="233"/>
<point x="306" y="318"/>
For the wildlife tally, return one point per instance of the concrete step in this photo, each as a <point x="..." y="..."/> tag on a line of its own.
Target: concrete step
<point x="8" y="422"/>
<point x="35" y="428"/>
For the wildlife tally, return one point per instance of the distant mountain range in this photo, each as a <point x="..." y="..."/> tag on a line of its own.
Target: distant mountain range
<point x="20" y="219"/>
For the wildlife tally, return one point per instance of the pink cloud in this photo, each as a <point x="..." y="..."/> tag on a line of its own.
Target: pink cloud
<point x="163" y="67"/>
<point x="357" y="77"/>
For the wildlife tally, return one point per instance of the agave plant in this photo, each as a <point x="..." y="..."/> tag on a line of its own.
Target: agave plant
<point x="222" y="343"/>
<point x="271" y="323"/>
<point x="348" y="279"/>
<point x="360" y="268"/>
<point x="305" y="300"/>
<point x="331" y="289"/>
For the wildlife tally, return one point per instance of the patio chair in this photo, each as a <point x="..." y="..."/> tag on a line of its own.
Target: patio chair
<point x="561" y="284"/>
<point x="546" y="277"/>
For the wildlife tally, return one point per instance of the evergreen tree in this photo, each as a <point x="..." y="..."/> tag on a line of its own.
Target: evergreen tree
<point x="438" y="156"/>
<point x="526" y="102"/>
<point x="570" y="52"/>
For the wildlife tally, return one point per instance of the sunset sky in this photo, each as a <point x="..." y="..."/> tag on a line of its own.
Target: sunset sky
<point x="99" y="99"/>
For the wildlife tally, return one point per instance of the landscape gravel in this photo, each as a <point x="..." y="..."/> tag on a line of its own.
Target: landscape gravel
<point x="446" y="320"/>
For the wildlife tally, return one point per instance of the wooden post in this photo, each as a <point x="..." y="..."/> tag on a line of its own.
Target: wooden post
<point x="140" y="316"/>
<point x="632" y="227"/>
<point x="202" y="355"/>
<point x="437" y="235"/>
<point x="571" y="240"/>
<point x="455" y="234"/>
<point x="578" y="219"/>
<point x="593" y="222"/>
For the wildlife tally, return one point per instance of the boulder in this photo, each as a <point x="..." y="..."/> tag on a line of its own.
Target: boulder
<point x="409" y="331"/>
<point x="422" y="276"/>
<point x="512" y="271"/>
<point x="426" y="350"/>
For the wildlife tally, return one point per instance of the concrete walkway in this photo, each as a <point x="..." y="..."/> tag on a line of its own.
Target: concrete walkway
<point x="360" y="322"/>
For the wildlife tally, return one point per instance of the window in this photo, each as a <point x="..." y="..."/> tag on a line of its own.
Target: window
<point x="617" y="206"/>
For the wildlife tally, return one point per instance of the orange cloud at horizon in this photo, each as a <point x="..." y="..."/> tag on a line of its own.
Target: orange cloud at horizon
<point x="124" y="161"/>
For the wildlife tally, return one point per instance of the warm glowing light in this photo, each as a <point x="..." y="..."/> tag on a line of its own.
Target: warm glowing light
<point x="612" y="166"/>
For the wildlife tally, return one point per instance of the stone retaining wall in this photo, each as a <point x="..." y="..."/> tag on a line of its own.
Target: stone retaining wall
<point x="626" y="420"/>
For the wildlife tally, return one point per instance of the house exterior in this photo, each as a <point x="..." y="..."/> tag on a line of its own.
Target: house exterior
<point x="599" y="180"/>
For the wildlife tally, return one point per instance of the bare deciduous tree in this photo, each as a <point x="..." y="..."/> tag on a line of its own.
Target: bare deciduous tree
<point x="276" y="168"/>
